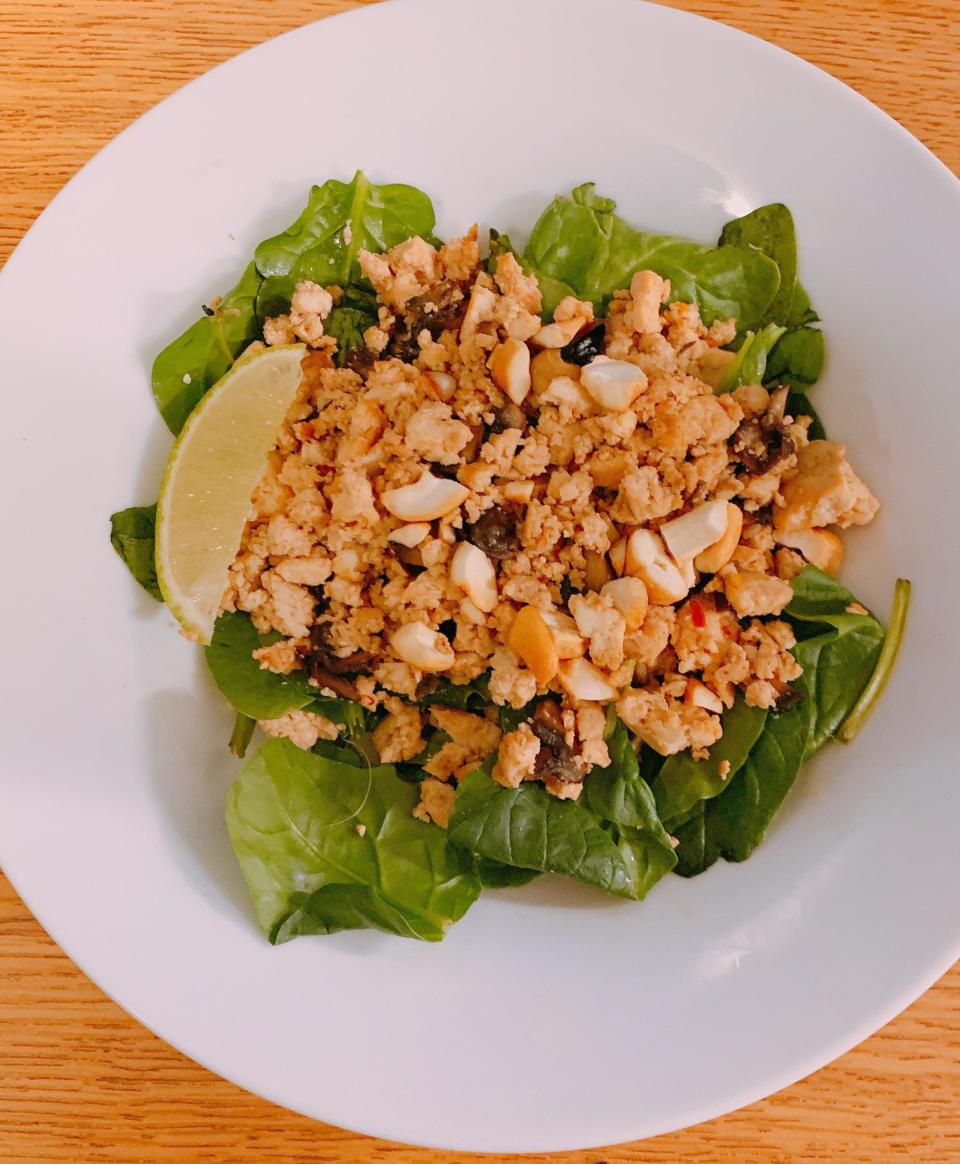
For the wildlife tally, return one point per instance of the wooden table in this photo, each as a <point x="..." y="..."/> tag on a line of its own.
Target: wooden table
<point x="80" y="1080"/>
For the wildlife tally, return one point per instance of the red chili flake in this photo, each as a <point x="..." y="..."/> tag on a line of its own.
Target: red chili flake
<point x="727" y="632"/>
<point x="698" y="614"/>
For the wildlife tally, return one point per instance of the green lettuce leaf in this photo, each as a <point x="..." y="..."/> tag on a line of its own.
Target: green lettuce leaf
<point x="580" y="246"/>
<point x="320" y="247"/>
<point x="132" y="536"/>
<point x="196" y="360"/>
<point x="326" y="847"/>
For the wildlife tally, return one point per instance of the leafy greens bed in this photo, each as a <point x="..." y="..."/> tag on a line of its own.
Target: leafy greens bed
<point x="326" y="839"/>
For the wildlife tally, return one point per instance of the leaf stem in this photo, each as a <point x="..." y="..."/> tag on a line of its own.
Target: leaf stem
<point x="240" y="736"/>
<point x="881" y="672"/>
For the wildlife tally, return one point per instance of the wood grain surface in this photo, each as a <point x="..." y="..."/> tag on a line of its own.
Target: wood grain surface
<point x="82" y="1081"/>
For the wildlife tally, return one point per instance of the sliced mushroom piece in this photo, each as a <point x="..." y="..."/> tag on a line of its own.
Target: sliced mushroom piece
<point x="496" y="532"/>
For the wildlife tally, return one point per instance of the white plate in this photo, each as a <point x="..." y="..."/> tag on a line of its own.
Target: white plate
<point x="553" y="1017"/>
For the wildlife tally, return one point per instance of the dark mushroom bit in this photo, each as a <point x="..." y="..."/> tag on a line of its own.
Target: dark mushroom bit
<point x="497" y="532"/>
<point x="555" y="759"/>
<point x="435" y="311"/>
<point x="585" y="347"/>
<point x="763" y="442"/>
<point x="329" y="670"/>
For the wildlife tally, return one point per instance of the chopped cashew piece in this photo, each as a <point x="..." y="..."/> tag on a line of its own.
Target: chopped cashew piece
<point x="410" y="535"/>
<point x="819" y="546"/>
<point x="510" y="369"/>
<point x="475" y="574"/>
<point x="569" y="642"/>
<point x="716" y="556"/>
<point x="618" y="556"/>
<point x="584" y="682"/>
<point x="613" y="384"/>
<point x="648" y="560"/>
<point x="429" y="498"/>
<point x="700" y="695"/>
<point x="423" y="648"/>
<point x="557" y="334"/>
<point x="695" y="531"/>
<point x="530" y="638"/>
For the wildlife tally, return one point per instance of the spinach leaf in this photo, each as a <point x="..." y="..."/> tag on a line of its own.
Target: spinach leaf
<point x="252" y="690"/>
<point x="683" y="781"/>
<point x="193" y="363"/>
<point x="801" y="311"/>
<point x="472" y="696"/>
<point x="241" y="735"/>
<point x="493" y="875"/>
<point x="339" y="220"/>
<point x="528" y="828"/>
<point x="797" y="359"/>
<point x="579" y="246"/>
<point x="613" y="839"/>
<point x="326" y="847"/>
<point x="770" y="230"/>
<point x="749" y="366"/>
<point x="261" y="694"/>
<point x="349" y="320"/>
<point x="132" y="536"/>
<point x="838" y="652"/>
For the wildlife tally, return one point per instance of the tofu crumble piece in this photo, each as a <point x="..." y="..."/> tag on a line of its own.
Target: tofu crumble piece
<point x="468" y="496"/>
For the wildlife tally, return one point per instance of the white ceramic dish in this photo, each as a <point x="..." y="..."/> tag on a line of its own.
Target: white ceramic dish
<point x="552" y="1017"/>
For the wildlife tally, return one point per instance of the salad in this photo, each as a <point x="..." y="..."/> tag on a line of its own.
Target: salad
<point x="521" y="561"/>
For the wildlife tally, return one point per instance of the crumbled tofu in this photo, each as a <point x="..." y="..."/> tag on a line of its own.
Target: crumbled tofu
<point x="302" y="728"/>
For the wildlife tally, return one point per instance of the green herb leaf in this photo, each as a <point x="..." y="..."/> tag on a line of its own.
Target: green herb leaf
<point x="339" y="220"/>
<point x="325" y="847"/>
<point x="801" y="311"/>
<point x="194" y="362"/>
<point x="132" y="536"/>
<point x="798" y="404"/>
<point x="579" y="246"/>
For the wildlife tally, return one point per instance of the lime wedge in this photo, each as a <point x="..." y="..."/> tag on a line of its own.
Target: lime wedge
<point x="217" y="462"/>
